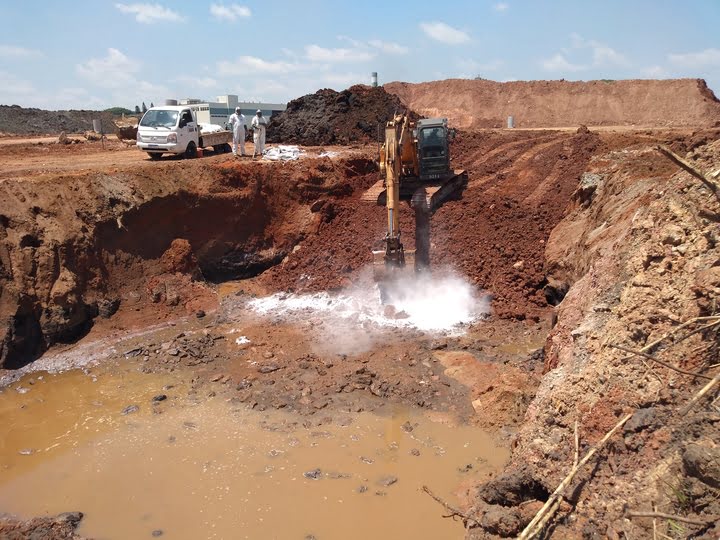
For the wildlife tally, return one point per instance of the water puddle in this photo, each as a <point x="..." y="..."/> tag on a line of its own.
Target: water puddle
<point x="217" y="470"/>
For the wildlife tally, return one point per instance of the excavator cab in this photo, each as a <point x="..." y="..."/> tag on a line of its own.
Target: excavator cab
<point x="433" y="148"/>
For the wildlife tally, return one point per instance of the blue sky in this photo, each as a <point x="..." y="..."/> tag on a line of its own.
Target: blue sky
<point x="97" y="54"/>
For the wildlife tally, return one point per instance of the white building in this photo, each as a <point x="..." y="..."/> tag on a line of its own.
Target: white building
<point x="219" y="111"/>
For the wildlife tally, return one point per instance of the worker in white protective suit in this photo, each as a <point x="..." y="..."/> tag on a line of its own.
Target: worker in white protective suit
<point x="259" y="123"/>
<point x="237" y="122"/>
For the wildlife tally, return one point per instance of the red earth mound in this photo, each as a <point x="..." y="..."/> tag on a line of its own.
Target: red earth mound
<point x="487" y="104"/>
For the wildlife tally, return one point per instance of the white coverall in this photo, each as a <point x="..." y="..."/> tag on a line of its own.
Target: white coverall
<point x="258" y="124"/>
<point x="237" y="121"/>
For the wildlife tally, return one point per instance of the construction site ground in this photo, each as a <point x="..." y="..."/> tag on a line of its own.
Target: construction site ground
<point x="204" y="339"/>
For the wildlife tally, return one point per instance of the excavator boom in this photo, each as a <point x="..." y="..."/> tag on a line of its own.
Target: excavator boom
<point x="415" y="165"/>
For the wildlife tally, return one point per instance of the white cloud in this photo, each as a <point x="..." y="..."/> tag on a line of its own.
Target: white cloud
<point x="117" y="74"/>
<point x="439" y="31"/>
<point x="388" y="47"/>
<point x="316" y="53"/>
<point x="344" y="80"/>
<point x="252" y="64"/>
<point x="13" y="51"/>
<point x="602" y="55"/>
<point x="230" y="12"/>
<point x="560" y="63"/>
<point x="655" y="72"/>
<point x="12" y="87"/>
<point x="204" y="83"/>
<point x="150" y="13"/>
<point x="501" y="6"/>
<point x="470" y="66"/>
<point x="113" y="71"/>
<point x="696" y="60"/>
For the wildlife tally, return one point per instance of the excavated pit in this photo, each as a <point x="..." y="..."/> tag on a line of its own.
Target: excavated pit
<point x="238" y="286"/>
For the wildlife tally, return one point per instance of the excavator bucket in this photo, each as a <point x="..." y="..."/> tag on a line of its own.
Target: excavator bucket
<point x="385" y="270"/>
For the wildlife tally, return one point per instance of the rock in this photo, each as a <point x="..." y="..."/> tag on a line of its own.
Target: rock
<point x="702" y="463"/>
<point x="199" y="313"/>
<point x="159" y="397"/>
<point x="315" y="474"/>
<point x="108" y="307"/>
<point x="317" y="205"/>
<point x="501" y="521"/>
<point x="519" y="265"/>
<point x="27" y="452"/>
<point x="268" y="355"/>
<point x="642" y="419"/>
<point x="387" y="481"/>
<point x="157" y="532"/>
<point x="73" y="518"/>
<point x="130" y="409"/>
<point x="415" y="452"/>
<point x="362" y="489"/>
<point x="407" y="427"/>
<point x="367" y="460"/>
<point x="437" y="345"/>
<point x="268" y="368"/>
<point x="673" y="235"/>
<point x="63" y="138"/>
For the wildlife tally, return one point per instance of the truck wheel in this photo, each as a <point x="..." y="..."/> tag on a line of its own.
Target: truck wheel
<point x="219" y="148"/>
<point x="154" y="155"/>
<point x="191" y="150"/>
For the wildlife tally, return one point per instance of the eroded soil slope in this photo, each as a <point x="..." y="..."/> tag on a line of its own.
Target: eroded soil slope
<point x="487" y="104"/>
<point x="639" y="249"/>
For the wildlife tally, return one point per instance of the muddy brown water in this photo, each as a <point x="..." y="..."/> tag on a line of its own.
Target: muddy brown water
<point x="209" y="469"/>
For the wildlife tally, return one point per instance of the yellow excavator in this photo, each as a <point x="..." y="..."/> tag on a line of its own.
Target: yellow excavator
<point x="415" y="165"/>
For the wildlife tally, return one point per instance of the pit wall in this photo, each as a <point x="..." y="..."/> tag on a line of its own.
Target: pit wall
<point x="75" y="248"/>
<point x="638" y="255"/>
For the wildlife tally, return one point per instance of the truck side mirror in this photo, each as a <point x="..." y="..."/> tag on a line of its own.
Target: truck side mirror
<point x="182" y="123"/>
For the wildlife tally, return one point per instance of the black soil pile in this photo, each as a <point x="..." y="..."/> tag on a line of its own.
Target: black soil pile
<point x="16" y="120"/>
<point x="330" y="117"/>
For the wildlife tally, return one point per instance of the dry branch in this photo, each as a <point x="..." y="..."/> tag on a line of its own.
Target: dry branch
<point x="682" y="519"/>
<point x="661" y="362"/>
<point x="553" y="502"/>
<point x="680" y="162"/>
<point x="454" y="512"/>
<point x="697" y="397"/>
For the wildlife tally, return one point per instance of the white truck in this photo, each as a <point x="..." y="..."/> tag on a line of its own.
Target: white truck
<point x="175" y="130"/>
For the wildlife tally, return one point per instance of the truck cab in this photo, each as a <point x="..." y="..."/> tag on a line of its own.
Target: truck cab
<point x="170" y="129"/>
<point x="432" y="143"/>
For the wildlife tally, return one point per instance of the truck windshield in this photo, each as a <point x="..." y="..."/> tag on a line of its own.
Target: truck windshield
<point x="159" y="118"/>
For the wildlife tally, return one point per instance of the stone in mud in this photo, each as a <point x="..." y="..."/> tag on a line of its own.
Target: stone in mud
<point x="130" y="409"/>
<point x="362" y="489"/>
<point x="159" y="397"/>
<point x="315" y="474"/>
<point x="415" y="452"/>
<point x="501" y="521"/>
<point x="641" y="420"/>
<point x="268" y="355"/>
<point x="157" y="532"/>
<point x="200" y="313"/>
<point x="27" y="452"/>
<point x="387" y="481"/>
<point x="268" y="368"/>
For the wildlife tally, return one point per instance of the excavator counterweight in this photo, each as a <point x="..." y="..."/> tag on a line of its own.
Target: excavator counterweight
<point x="415" y="167"/>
